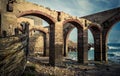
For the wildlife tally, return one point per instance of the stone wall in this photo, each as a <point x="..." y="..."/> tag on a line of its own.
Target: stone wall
<point x="36" y="43"/>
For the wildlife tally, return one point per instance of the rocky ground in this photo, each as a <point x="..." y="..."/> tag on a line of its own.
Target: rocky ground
<point x="38" y="66"/>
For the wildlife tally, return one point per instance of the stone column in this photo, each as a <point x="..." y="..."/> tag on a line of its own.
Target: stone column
<point x="104" y="47"/>
<point x="52" y="45"/>
<point x="0" y="26"/>
<point x="98" y="47"/>
<point x="46" y="45"/>
<point x="65" y="47"/>
<point x="56" y="44"/>
<point x="82" y="46"/>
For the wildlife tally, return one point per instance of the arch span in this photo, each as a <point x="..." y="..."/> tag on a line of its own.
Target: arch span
<point x="96" y="32"/>
<point x="75" y="22"/>
<point x="110" y="28"/>
<point x="44" y="40"/>
<point x="37" y="13"/>
<point x="51" y="22"/>
<point x="107" y="26"/>
<point x="81" y="41"/>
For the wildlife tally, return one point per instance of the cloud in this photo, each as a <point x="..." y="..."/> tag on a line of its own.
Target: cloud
<point x="78" y="7"/>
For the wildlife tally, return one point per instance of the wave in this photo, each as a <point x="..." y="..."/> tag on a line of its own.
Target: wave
<point x="109" y="47"/>
<point x="92" y="48"/>
<point x="113" y="47"/>
<point x="116" y="53"/>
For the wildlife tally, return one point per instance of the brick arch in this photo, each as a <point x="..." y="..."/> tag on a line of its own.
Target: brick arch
<point x="75" y="22"/>
<point x="37" y="13"/>
<point x="111" y="25"/>
<point x="96" y="33"/>
<point x="107" y="26"/>
<point x="95" y="29"/>
<point x="44" y="36"/>
<point x="51" y="20"/>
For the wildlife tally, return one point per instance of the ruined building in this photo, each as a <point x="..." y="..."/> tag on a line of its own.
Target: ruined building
<point x="21" y="32"/>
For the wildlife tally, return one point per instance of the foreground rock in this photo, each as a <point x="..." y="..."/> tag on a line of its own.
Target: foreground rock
<point x="40" y="67"/>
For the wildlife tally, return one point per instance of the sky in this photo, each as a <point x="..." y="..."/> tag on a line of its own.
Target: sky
<point x="81" y="8"/>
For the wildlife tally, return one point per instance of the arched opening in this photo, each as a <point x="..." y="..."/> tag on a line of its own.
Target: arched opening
<point x="96" y="47"/>
<point x="51" y="23"/>
<point x="75" y="23"/>
<point x="70" y="41"/>
<point x="37" y="42"/>
<point x="107" y="26"/>
<point x="113" y="43"/>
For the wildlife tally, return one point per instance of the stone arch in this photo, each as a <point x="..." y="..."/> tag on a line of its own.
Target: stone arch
<point x="80" y="50"/>
<point x="37" y="13"/>
<point x="44" y="38"/>
<point x="109" y="29"/>
<point x="51" y="22"/>
<point x="75" y="22"/>
<point x="94" y="28"/>
<point x="96" y="32"/>
<point x="107" y="26"/>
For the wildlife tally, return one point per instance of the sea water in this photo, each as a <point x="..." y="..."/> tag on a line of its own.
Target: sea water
<point x="113" y="53"/>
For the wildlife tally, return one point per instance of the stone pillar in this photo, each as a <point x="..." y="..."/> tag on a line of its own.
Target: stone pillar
<point x="98" y="47"/>
<point x="82" y="46"/>
<point x="65" y="47"/>
<point x="0" y="24"/>
<point x="46" y="45"/>
<point x="56" y="44"/>
<point x="104" y="47"/>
